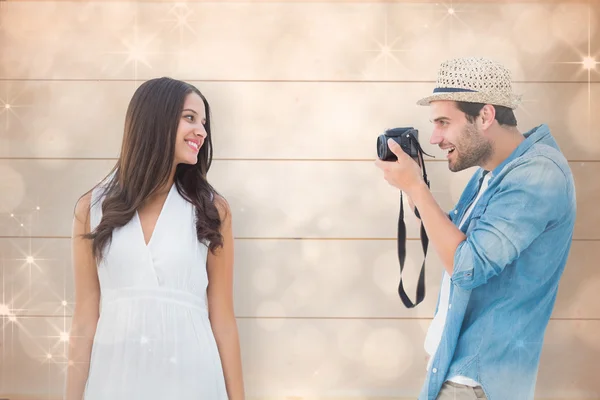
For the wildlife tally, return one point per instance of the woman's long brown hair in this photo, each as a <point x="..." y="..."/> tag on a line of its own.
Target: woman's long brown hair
<point x="146" y="161"/>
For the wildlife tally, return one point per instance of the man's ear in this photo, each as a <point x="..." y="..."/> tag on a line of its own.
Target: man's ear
<point x="488" y="115"/>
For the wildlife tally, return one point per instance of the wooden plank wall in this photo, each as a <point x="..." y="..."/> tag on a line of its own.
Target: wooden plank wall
<point x="300" y="91"/>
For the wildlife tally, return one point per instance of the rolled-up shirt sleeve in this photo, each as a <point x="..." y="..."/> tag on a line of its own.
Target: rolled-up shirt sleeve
<point x="528" y="199"/>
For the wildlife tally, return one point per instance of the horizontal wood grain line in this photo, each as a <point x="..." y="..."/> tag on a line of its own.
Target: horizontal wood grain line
<point x="239" y="159"/>
<point x="294" y="397"/>
<point x="238" y="238"/>
<point x="313" y="1"/>
<point x="247" y="317"/>
<point x="191" y="80"/>
<point x="323" y="239"/>
<point x="394" y="318"/>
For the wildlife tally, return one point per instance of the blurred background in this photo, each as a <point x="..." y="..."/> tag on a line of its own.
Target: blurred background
<point x="300" y="91"/>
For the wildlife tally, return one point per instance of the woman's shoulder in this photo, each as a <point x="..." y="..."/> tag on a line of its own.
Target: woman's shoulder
<point x="91" y="198"/>
<point x="82" y="207"/>
<point x="222" y="206"/>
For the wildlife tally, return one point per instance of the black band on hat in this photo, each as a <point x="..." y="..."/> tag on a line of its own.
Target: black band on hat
<point x="451" y="90"/>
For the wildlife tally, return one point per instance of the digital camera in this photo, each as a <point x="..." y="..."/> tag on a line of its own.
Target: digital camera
<point x="407" y="138"/>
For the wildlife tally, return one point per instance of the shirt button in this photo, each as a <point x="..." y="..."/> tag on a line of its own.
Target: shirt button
<point x="434" y="370"/>
<point x="455" y="212"/>
<point x="449" y="306"/>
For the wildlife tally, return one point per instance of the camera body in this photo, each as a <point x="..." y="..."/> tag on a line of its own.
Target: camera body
<point x="407" y="138"/>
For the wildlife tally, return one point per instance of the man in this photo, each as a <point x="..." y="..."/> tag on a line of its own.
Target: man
<point x="503" y="246"/>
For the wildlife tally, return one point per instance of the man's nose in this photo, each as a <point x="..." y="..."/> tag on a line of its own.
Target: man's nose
<point x="436" y="138"/>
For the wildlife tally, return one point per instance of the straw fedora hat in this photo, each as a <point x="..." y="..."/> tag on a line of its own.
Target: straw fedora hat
<point x="474" y="80"/>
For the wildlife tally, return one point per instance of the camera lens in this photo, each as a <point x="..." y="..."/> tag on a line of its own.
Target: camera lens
<point x="383" y="151"/>
<point x="382" y="147"/>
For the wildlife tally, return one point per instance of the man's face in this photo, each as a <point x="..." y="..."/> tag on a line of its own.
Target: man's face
<point x="464" y="141"/>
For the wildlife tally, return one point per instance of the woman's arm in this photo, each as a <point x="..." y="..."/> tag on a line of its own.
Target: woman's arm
<point x="220" y="306"/>
<point x="87" y="298"/>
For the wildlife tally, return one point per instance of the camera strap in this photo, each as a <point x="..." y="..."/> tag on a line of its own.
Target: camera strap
<point x="402" y="243"/>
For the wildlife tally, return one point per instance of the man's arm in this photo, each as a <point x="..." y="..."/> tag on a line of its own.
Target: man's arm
<point x="443" y="235"/>
<point x="414" y="210"/>
<point x="523" y="206"/>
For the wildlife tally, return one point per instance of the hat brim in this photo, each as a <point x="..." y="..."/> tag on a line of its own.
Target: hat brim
<point x="511" y="101"/>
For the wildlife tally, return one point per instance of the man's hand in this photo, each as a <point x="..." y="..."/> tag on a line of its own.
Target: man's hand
<point x="404" y="174"/>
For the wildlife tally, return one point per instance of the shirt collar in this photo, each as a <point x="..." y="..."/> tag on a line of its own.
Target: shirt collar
<point x="533" y="136"/>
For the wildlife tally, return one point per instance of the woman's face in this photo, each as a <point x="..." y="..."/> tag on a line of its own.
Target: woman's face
<point x="190" y="132"/>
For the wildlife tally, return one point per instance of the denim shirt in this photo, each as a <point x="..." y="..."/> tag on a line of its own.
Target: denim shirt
<point x="507" y="271"/>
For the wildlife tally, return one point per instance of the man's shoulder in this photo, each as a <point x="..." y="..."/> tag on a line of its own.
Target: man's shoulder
<point x="542" y="164"/>
<point x="541" y="151"/>
<point x="540" y="175"/>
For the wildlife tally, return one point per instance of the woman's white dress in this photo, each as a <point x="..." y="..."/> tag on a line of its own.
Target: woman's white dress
<point x="154" y="339"/>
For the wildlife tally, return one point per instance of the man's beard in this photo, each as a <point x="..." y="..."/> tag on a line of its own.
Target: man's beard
<point x="471" y="150"/>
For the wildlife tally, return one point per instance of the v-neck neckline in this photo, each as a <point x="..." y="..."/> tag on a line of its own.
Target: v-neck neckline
<point x="156" y="224"/>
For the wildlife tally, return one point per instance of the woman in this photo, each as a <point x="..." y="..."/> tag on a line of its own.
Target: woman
<point x="153" y="249"/>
